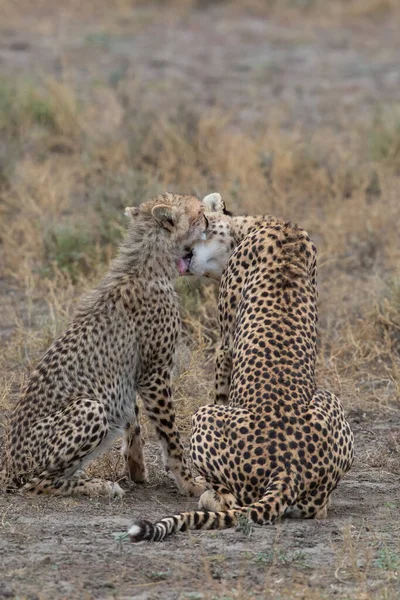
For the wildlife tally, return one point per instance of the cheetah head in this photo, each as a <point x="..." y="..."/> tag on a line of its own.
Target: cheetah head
<point x="209" y="256"/>
<point x="173" y="222"/>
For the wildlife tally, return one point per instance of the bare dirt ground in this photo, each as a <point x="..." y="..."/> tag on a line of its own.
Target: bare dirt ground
<point x="319" y="73"/>
<point x="65" y="548"/>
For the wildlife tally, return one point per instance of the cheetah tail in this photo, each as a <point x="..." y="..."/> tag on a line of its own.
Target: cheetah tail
<point x="199" y="519"/>
<point x="271" y="506"/>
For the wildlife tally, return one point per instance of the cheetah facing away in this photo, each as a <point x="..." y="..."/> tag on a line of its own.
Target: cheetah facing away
<point x="275" y="444"/>
<point x="121" y="341"/>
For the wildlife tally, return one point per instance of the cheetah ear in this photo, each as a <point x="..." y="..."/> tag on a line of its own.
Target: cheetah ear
<point x="165" y="216"/>
<point x="213" y="203"/>
<point x="131" y="212"/>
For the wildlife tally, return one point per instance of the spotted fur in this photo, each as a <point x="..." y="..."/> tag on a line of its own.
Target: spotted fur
<point x="275" y="444"/>
<point x="121" y="341"/>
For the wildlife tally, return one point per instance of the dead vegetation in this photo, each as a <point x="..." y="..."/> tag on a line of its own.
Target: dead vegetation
<point x="62" y="217"/>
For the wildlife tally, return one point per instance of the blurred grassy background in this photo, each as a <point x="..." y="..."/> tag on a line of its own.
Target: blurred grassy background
<point x="104" y="104"/>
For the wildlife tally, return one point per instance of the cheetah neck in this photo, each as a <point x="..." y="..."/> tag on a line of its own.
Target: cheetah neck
<point x="145" y="253"/>
<point x="242" y="226"/>
<point x="133" y="270"/>
<point x="144" y="268"/>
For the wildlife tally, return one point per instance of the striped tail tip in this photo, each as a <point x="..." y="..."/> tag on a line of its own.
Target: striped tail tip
<point x="142" y="531"/>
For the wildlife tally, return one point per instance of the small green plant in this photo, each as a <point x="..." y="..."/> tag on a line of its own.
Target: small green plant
<point x="71" y="247"/>
<point x="158" y="575"/>
<point x="39" y="110"/>
<point x="387" y="559"/>
<point x="100" y="39"/>
<point x="265" y="558"/>
<point x="384" y="135"/>
<point x="24" y="106"/>
<point x="285" y="558"/>
<point x="6" y="103"/>
<point x="245" y="525"/>
<point x="217" y="558"/>
<point x="281" y="557"/>
<point x="120" y="537"/>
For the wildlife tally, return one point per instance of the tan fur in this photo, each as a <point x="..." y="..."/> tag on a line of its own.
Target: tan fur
<point x="275" y="444"/>
<point x="121" y="341"/>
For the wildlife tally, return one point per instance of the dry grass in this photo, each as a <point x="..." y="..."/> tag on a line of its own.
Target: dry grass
<point x="61" y="219"/>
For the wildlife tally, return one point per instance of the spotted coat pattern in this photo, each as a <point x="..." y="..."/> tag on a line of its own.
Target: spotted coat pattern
<point x="275" y="444"/>
<point x="121" y="341"/>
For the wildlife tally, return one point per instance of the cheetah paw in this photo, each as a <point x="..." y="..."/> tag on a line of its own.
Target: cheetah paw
<point x="197" y="486"/>
<point x="211" y="500"/>
<point x="114" y="490"/>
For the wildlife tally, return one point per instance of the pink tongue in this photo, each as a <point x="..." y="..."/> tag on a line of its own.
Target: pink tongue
<point x="183" y="265"/>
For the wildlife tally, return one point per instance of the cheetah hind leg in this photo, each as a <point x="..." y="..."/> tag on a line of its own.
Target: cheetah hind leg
<point x="70" y="438"/>
<point x="308" y="509"/>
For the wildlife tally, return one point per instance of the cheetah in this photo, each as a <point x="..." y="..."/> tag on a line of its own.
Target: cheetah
<point x="121" y="342"/>
<point x="273" y="444"/>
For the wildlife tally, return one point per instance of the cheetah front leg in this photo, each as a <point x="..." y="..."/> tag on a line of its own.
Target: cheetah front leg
<point x="223" y="367"/>
<point x="132" y="451"/>
<point x="155" y="393"/>
<point x="312" y="507"/>
<point x="55" y="485"/>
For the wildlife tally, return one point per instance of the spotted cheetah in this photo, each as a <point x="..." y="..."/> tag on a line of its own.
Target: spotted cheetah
<point x="275" y="444"/>
<point x="121" y="341"/>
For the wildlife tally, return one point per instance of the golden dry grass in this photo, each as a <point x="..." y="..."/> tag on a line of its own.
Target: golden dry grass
<point x="61" y="219"/>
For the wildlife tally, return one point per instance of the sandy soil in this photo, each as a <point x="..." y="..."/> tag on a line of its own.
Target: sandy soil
<point x="65" y="548"/>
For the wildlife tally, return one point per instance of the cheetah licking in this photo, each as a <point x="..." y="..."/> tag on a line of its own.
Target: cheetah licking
<point x="275" y="444"/>
<point x="121" y="341"/>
